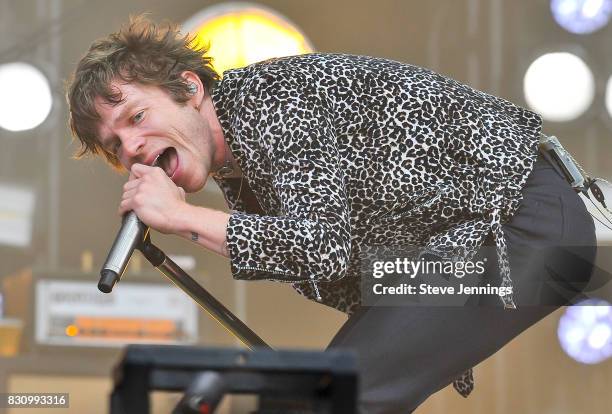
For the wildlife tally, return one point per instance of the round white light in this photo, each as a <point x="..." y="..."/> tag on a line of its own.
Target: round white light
<point x="609" y="96"/>
<point x="25" y="96"/>
<point x="585" y="331"/>
<point x="559" y="86"/>
<point x="600" y="336"/>
<point x="581" y="16"/>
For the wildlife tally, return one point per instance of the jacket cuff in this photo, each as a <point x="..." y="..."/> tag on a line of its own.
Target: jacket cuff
<point x="255" y="250"/>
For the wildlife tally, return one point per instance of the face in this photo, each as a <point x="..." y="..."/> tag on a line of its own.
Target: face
<point x="150" y="125"/>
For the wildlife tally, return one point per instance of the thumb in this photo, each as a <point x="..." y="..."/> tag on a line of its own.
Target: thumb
<point x="138" y="170"/>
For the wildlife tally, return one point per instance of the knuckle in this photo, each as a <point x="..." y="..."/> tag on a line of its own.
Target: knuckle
<point x="139" y="200"/>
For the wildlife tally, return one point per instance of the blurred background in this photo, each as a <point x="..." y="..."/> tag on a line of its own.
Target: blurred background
<point x="58" y="216"/>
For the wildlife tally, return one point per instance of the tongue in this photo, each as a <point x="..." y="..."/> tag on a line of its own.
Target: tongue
<point x="169" y="161"/>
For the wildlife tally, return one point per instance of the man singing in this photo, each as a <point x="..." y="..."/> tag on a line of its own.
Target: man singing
<point x="318" y="156"/>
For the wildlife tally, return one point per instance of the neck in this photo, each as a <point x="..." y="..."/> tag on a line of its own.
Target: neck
<point x="228" y="168"/>
<point x="222" y="157"/>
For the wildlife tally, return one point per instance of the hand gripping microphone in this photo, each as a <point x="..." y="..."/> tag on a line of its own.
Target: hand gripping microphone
<point x="132" y="233"/>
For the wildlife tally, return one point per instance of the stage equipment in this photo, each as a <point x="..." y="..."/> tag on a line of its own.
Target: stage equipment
<point x="282" y="386"/>
<point x="17" y="204"/>
<point x="25" y="101"/>
<point x="286" y="381"/>
<point x="581" y="16"/>
<point x="577" y="177"/>
<point x="131" y="233"/>
<point x="240" y="34"/>
<point x="71" y="313"/>
<point x="548" y="92"/>
<point x="585" y="331"/>
<point x="564" y="160"/>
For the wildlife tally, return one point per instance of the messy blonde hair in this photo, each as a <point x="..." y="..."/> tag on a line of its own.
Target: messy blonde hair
<point x="141" y="52"/>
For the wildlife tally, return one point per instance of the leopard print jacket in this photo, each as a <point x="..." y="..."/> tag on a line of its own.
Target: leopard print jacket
<point x="339" y="152"/>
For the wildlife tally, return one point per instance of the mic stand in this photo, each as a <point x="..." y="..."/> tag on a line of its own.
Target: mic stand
<point x="204" y="390"/>
<point x="203" y="298"/>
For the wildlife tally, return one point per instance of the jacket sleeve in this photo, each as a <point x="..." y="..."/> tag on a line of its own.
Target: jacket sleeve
<point x="310" y="240"/>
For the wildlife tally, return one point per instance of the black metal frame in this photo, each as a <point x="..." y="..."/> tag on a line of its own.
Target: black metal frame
<point x="308" y="381"/>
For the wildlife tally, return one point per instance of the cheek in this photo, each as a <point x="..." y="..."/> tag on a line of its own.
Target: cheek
<point x="195" y="136"/>
<point x="123" y="163"/>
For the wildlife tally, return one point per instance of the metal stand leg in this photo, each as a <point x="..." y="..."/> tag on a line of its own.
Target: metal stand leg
<point x="211" y="305"/>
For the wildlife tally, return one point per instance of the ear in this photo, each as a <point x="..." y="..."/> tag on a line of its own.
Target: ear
<point x="197" y="96"/>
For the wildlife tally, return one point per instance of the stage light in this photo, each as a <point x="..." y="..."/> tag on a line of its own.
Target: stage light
<point x="581" y="16"/>
<point x="25" y="100"/>
<point x="585" y="331"/>
<point x="16" y="211"/>
<point x="240" y="34"/>
<point x="559" y="86"/>
<point x="72" y="330"/>
<point x="609" y="96"/>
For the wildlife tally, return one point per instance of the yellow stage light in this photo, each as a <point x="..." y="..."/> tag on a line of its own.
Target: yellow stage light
<point x="240" y="34"/>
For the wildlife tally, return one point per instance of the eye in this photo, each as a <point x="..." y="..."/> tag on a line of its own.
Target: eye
<point x="138" y="117"/>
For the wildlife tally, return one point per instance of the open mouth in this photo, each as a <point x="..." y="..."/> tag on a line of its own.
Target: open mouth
<point x="168" y="161"/>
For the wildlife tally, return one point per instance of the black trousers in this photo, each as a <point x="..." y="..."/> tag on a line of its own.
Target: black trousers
<point x="407" y="353"/>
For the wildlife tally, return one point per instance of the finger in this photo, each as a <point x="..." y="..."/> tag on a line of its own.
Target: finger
<point x="129" y="194"/>
<point x="136" y="175"/>
<point x="140" y="169"/>
<point x="131" y="184"/>
<point x="124" y="207"/>
<point x="182" y="191"/>
<point x="162" y="174"/>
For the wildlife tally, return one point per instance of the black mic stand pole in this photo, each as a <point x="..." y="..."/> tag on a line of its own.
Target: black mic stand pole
<point x="207" y="301"/>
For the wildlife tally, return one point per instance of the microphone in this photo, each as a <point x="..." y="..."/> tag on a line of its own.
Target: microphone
<point x="203" y="394"/>
<point x="131" y="234"/>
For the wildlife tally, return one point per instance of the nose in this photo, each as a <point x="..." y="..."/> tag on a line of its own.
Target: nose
<point x="132" y="148"/>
